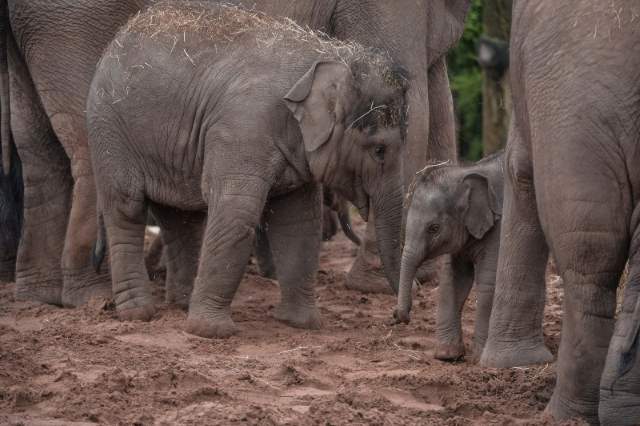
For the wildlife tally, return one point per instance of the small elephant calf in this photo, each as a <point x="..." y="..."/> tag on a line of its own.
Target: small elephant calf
<point x="211" y="112"/>
<point x="455" y="210"/>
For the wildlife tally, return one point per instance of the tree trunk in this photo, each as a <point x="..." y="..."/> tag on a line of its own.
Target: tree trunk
<point x="496" y="93"/>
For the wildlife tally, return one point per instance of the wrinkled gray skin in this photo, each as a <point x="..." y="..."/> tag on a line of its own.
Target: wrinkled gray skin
<point x="417" y="35"/>
<point x="236" y="149"/>
<point x="335" y="213"/>
<point x="48" y="122"/>
<point x="52" y="48"/>
<point x="455" y="210"/>
<point x="572" y="183"/>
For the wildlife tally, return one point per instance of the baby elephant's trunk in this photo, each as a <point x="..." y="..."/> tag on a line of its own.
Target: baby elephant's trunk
<point x="411" y="260"/>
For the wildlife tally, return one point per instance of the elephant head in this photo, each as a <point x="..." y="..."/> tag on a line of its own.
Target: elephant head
<point x="448" y="207"/>
<point x="352" y="118"/>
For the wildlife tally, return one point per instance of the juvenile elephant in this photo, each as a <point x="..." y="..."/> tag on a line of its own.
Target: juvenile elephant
<point x="48" y="97"/>
<point x="571" y="185"/>
<point x="455" y="210"/>
<point x="256" y="113"/>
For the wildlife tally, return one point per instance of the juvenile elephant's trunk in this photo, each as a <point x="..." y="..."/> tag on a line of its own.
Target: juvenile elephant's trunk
<point x="411" y="261"/>
<point x="387" y="211"/>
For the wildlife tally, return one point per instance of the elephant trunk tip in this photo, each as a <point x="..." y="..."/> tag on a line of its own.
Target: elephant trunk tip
<point x="401" y="316"/>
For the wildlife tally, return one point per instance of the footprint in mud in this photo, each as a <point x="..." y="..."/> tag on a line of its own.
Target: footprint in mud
<point x="407" y="400"/>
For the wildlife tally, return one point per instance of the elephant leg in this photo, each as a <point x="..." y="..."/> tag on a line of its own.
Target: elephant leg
<point x="590" y="250"/>
<point x="81" y="282"/>
<point x="515" y="328"/>
<point x="125" y="220"/>
<point x="235" y="205"/>
<point x="452" y="294"/>
<point x="47" y="191"/>
<point x="485" y="278"/>
<point x="263" y="254"/>
<point x="182" y="236"/>
<point x="620" y="383"/>
<point x="295" y="234"/>
<point x="367" y="274"/>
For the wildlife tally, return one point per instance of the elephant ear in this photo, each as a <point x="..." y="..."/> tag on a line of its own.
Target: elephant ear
<point x="479" y="202"/>
<point x="446" y="24"/>
<point x="315" y="102"/>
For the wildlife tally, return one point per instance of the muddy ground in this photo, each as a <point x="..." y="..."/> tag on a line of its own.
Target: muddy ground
<point x="83" y="366"/>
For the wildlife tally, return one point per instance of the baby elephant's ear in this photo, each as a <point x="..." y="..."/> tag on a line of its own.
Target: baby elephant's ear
<point x="315" y="102"/>
<point x="480" y="213"/>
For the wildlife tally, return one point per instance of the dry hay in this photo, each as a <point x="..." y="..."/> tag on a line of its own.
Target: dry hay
<point x="224" y="23"/>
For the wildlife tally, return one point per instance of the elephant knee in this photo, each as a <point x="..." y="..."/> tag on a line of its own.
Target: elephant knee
<point x="519" y="169"/>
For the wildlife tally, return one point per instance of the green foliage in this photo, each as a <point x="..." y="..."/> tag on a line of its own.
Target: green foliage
<point x="466" y="84"/>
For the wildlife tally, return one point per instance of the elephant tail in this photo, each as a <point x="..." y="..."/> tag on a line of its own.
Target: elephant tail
<point x="5" y="115"/>
<point x="100" y="247"/>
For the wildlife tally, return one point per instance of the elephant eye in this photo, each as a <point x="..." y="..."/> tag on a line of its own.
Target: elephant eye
<point x="433" y="228"/>
<point x="378" y="152"/>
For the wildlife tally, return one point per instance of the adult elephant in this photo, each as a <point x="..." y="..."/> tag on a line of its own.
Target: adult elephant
<point x="53" y="47"/>
<point x="572" y="184"/>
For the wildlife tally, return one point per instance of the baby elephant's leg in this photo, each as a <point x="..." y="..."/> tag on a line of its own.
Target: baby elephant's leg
<point x="125" y="220"/>
<point x="294" y="227"/>
<point x="235" y="206"/>
<point x="452" y="293"/>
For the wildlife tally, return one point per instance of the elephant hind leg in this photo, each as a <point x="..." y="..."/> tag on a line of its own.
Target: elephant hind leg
<point x="620" y="383"/>
<point x="589" y="244"/>
<point x="125" y="220"/>
<point x="182" y="237"/>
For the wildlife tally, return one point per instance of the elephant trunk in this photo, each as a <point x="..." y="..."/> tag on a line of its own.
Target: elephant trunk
<point x="411" y="261"/>
<point x="5" y="117"/>
<point x="387" y="213"/>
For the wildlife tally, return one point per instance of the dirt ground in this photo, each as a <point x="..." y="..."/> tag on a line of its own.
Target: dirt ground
<point x="83" y="366"/>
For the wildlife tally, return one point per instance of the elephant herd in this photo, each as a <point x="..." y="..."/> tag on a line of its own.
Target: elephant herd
<point x="229" y="122"/>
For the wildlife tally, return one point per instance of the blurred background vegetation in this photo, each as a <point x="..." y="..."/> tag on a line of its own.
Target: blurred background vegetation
<point x="481" y="97"/>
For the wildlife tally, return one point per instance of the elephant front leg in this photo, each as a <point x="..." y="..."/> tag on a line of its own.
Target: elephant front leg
<point x="515" y="328"/>
<point x="485" y="278"/>
<point x="182" y="237"/>
<point x="294" y="229"/>
<point x="452" y="293"/>
<point x="235" y="206"/>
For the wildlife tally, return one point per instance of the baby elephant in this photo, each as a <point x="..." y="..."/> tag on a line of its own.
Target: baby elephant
<point x="203" y="107"/>
<point x="455" y="210"/>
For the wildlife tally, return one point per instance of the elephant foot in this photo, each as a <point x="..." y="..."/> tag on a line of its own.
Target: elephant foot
<point x="137" y="313"/>
<point x="8" y="270"/>
<point x="220" y="327"/>
<point x="367" y="278"/>
<point x="82" y="285"/>
<point x="561" y="410"/>
<point x="514" y="354"/>
<point x="298" y="316"/>
<point x="449" y="351"/>
<point x="38" y="287"/>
